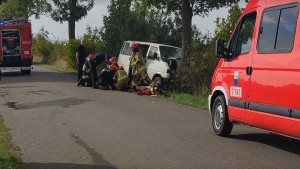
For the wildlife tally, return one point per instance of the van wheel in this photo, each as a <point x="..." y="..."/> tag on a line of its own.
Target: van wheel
<point x="220" y="121"/>
<point x="158" y="80"/>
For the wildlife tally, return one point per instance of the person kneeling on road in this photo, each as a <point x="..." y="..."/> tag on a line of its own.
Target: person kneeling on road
<point x="121" y="79"/>
<point x="107" y="74"/>
<point x="93" y="62"/>
<point x="85" y="80"/>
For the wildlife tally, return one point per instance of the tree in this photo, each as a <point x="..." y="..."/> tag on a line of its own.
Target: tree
<point x="11" y="9"/>
<point x="130" y="20"/>
<point x="71" y="11"/>
<point x="187" y="9"/>
<point x="117" y="25"/>
<point x="224" y="27"/>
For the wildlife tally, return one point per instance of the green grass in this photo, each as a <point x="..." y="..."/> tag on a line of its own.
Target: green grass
<point x="9" y="155"/>
<point x="60" y="69"/>
<point x="188" y="99"/>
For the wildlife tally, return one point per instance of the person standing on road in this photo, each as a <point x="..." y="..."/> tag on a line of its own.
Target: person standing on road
<point x="80" y="58"/>
<point x="138" y="67"/>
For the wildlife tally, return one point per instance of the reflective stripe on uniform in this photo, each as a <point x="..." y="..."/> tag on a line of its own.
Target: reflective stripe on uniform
<point x="122" y="75"/>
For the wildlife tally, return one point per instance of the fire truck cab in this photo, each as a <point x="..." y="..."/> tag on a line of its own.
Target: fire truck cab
<point x="257" y="80"/>
<point x="15" y="46"/>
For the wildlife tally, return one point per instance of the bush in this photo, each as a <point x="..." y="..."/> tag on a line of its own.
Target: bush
<point x="42" y="46"/>
<point x="58" y="52"/>
<point x="200" y="64"/>
<point x="70" y="52"/>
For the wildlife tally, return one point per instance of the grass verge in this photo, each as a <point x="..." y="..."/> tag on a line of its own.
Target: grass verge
<point x="188" y="99"/>
<point x="60" y="69"/>
<point x="9" y="155"/>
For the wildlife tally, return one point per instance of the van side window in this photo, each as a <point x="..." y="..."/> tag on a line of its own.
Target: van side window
<point x="277" y="30"/>
<point x="152" y="51"/>
<point x="126" y="50"/>
<point x="242" y="38"/>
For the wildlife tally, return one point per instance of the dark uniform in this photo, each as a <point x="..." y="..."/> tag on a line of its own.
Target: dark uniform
<point x="86" y="75"/>
<point x="90" y="68"/>
<point x="106" y="79"/>
<point x="81" y="60"/>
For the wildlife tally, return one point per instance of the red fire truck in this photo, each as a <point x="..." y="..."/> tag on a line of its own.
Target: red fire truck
<point x="16" y="46"/>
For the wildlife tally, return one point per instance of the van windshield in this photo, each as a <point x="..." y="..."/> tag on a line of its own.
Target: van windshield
<point x="170" y="52"/>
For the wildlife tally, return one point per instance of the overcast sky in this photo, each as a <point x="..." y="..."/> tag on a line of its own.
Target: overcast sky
<point x="95" y="19"/>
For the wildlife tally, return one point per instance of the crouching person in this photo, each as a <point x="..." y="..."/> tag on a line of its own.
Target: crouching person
<point x="107" y="74"/>
<point x="85" y="80"/>
<point x="121" y="79"/>
<point x="92" y="62"/>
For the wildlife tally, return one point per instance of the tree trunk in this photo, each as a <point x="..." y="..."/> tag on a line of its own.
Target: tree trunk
<point x="72" y="19"/>
<point x="186" y="15"/>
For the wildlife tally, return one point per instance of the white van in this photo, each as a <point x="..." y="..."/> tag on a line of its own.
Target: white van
<point x="161" y="60"/>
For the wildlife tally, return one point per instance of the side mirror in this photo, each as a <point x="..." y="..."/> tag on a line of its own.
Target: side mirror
<point x="220" y="51"/>
<point x="155" y="56"/>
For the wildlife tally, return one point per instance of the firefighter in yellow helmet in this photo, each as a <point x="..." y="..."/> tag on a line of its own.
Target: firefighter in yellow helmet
<point x="121" y="79"/>
<point x="139" y="69"/>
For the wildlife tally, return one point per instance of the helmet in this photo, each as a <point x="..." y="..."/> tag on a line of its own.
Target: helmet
<point x="133" y="45"/>
<point x="113" y="59"/>
<point x="91" y="56"/>
<point x="113" y="67"/>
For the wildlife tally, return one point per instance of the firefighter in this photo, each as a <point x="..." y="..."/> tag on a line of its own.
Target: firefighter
<point x="121" y="79"/>
<point x="107" y="74"/>
<point x="138" y="66"/>
<point x="86" y="80"/>
<point x="93" y="62"/>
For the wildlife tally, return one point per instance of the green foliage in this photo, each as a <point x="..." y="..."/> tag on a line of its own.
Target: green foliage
<point x="63" y="9"/>
<point x="58" y="51"/>
<point x="117" y="25"/>
<point x="42" y="46"/>
<point x="11" y="9"/>
<point x="138" y="23"/>
<point x="9" y="155"/>
<point x="70" y="53"/>
<point x="224" y="27"/>
<point x="94" y="42"/>
<point x="195" y="71"/>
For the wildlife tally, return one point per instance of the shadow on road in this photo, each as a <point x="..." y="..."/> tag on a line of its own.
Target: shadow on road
<point x="277" y="141"/>
<point x="63" y="166"/>
<point x="38" y="76"/>
<point x="62" y="103"/>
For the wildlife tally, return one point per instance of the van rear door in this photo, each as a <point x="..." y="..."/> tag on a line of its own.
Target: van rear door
<point x="125" y="56"/>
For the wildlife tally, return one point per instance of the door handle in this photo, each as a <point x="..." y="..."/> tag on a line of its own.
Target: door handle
<point x="249" y="70"/>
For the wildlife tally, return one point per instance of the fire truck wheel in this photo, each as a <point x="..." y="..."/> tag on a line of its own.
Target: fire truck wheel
<point x="220" y="121"/>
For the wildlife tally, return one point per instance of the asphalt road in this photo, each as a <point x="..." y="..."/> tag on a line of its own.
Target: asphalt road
<point x="58" y="125"/>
